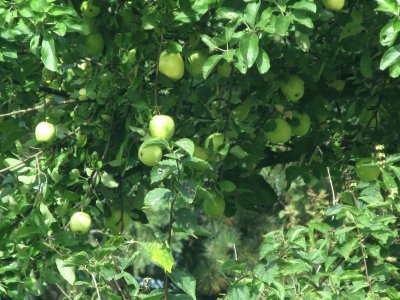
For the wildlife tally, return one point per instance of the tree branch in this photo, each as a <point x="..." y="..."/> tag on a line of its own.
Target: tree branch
<point x="22" y="111"/>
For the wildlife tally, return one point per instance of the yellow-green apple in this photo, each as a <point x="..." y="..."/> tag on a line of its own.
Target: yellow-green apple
<point x="94" y="43"/>
<point x="217" y="139"/>
<point x="171" y="65"/>
<point x="162" y="126"/>
<point x="150" y="155"/>
<point x="80" y="222"/>
<point x="293" y="88"/>
<point x="278" y="131"/>
<point x="118" y="221"/>
<point x="200" y="152"/>
<point x="302" y="124"/>
<point x="214" y="206"/>
<point x="196" y="61"/>
<point x="89" y="10"/>
<point x="45" y="132"/>
<point x="335" y="5"/>
<point x="224" y="69"/>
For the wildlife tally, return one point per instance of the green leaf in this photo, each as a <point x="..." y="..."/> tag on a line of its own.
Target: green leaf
<point x="156" y="196"/>
<point x="249" y="48"/>
<point x="390" y="57"/>
<point x="108" y="180"/>
<point x="210" y="64"/>
<point x="153" y="141"/>
<point x="351" y="29"/>
<point x="185" y="281"/>
<point x="238" y="292"/>
<point x="282" y="25"/>
<point x="186" y="144"/>
<point x="48" y="217"/>
<point x="389" y="32"/>
<point x="27" y="179"/>
<point x="267" y="273"/>
<point x="305" y="5"/>
<point x="38" y="5"/>
<point x="212" y="45"/>
<point x="197" y="163"/>
<point x="250" y="13"/>
<point x="302" y="18"/>
<point x="366" y="65"/>
<point x="49" y="54"/>
<point x="187" y="189"/>
<point x="389" y="6"/>
<point x="68" y="273"/>
<point x="159" y="254"/>
<point x="371" y="194"/>
<point x="263" y="63"/>
<point x="227" y="186"/>
<point x="77" y="260"/>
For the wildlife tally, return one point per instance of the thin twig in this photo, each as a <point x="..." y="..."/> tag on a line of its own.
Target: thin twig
<point x="62" y="291"/>
<point x="116" y="281"/>
<point x="364" y="258"/>
<point x="95" y="285"/>
<point x="22" y="162"/>
<point x="157" y="72"/>
<point x="22" y="111"/>
<point x="334" y="200"/>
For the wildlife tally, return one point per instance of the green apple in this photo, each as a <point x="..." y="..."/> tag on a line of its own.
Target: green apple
<point x="338" y="85"/>
<point x="150" y="155"/>
<point x="196" y="61"/>
<point x="94" y="43"/>
<point x="280" y="131"/>
<point x="367" y="169"/>
<point x="367" y="118"/>
<point x="200" y="152"/>
<point x="293" y="88"/>
<point x="224" y="70"/>
<point x="45" y="132"/>
<point x="214" y="206"/>
<point x="162" y="126"/>
<point x="83" y="94"/>
<point x="80" y="222"/>
<point x="217" y="139"/>
<point x="89" y="10"/>
<point x="118" y="221"/>
<point x="303" y="124"/>
<point x="335" y="5"/>
<point x="171" y="65"/>
<point x="132" y="56"/>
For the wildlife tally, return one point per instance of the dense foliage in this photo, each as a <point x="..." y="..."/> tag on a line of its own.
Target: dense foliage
<point x="199" y="149"/>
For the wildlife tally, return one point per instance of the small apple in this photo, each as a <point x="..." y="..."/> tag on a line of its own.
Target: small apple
<point x="171" y="65"/>
<point x="214" y="206"/>
<point x="293" y="88"/>
<point x="224" y="70"/>
<point x="217" y="139"/>
<point x="280" y="133"/>
<point x="196" y="61"/>
<point x="45" y="132"/>
<point x="80" y="222"/>
<point x="335" y="5"/>
<point x="162" y="126"/>
<point x="303" y="125"/>
<point x="367" y="169"/>
<point x="118" y="221"/>
<point x="94" y="43"/>
<point x="89" y="10"/>
<point x="132" y="56"/>
<point x="83" y="94"/>
<point x="150" y="155"/>
<point x="200" y="152"/>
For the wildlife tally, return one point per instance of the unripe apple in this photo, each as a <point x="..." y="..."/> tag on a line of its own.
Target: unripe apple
<point x="150" y="155"/>
<point x="117" y="220"/>
<point x="303" y="125"/>
<point x="196" y="61"/>
<point x="83" y="94"/>
<point x="280" y="133"/>
<point x="132" y="56"/>
<point x="45" y="132"/>
<point x="224" y="70"/>
<point x="80" y="222"/>
<point x="367" y="169"/>
<point x="214" y="206"/>
<point x="217" y="139"/>
<point x="293" y="88"/>
<point x="200" y="152"/>
<point x="89" y="10"/>
<point x="335" y="5"/>
<point x="94" y="43"/>
<point x="171" y="65"/>
<point x="162" y="126"/>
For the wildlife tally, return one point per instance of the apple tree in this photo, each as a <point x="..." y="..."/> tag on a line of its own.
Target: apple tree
<point x="199" y="149"/>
